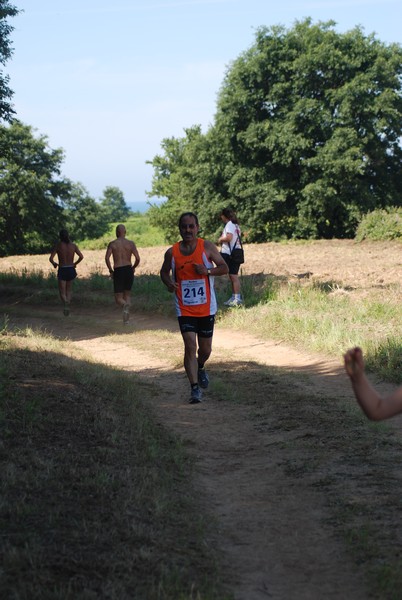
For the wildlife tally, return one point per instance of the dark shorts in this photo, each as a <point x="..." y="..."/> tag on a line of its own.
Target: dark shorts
<point x="202" y="326"/>
<point x="233" y="266"/>
<point x="123" y="278"/>
<point x="66" y="273"/>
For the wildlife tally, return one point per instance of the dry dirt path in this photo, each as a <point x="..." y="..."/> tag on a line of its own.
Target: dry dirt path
<point x="271" y="530"/>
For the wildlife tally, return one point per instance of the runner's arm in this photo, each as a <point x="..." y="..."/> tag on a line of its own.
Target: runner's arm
<point x="107" y="258"/>
<point x="137" y="259"/>
<point x="215" y="257"/>
<point x="165" y="271"/>
<point x="79" y="254"/>
<point x="51" y="257"/>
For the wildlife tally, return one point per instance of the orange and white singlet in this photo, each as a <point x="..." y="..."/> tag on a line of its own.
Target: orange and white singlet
<point x="195" y="296"/>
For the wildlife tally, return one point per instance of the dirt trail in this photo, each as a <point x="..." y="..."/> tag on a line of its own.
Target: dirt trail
<point x="271" y="531"/>
<point x="272" y="528"/>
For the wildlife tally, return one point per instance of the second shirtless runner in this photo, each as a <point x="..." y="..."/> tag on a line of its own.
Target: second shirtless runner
<point x="122" y="271"/>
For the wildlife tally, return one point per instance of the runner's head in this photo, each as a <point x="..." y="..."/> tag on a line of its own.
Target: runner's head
<point x="120" y="231"/>
<point x="189" y="226"/>
<point x="188" y="214"/>
<point x="64" y="237"/>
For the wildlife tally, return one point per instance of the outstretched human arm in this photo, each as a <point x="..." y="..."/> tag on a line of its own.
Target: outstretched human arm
<point x="376" y="407"/>
<point x="165" y="271"/>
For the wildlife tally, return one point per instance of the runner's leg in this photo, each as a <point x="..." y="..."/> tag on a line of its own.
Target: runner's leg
<point x="119" y="297"/>
<point x="69" y="290"/>
<point x="62" y="290"/>
<point x="204" y="349"/>
<point x="190" y="356"/>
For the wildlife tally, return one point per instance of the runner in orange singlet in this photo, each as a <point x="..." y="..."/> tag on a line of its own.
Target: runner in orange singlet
<point x="188" y="270"/>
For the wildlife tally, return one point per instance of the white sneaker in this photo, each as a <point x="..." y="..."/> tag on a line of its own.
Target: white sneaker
<point x="234" y="302"/>
<point x="126" y="314"/>
<point x="229" y="302"/>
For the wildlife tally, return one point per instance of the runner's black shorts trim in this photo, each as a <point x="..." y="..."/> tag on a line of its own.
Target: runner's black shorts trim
<point x="66" y="273"/>
<point x="123" y="279"/>
<point x="234" y="267"/>
<point x="202" y="326"/>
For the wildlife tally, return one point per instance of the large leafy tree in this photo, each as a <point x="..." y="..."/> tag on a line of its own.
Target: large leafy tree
<point x="307" y="133"/>
<point x="83" y="216"/>
<point x="114" y="205"/>
<point x="190" y="176"/>
<point x="6" y="10"/>
<point x="313" y="121"/>
<point x="170" y="181"/>
<point x="31" y="190"/>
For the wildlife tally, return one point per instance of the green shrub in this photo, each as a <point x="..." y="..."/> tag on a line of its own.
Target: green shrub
<point x="138" y="229"/>
<point x="381" y="224"/>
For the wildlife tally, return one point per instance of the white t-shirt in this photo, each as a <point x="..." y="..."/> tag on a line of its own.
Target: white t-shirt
<point x="234" y="243"/>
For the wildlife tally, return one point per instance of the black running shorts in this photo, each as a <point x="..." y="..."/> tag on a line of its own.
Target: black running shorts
<point x="123" y="279"/>
<point x="202" y="326"/>
<point x="66" y="273"/>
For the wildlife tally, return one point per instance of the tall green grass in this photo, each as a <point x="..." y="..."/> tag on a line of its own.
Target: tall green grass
<point x="27" y="278"/>
<point x="323" y="319"/>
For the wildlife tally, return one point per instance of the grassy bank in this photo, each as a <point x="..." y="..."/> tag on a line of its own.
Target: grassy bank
<point x="96" y="497"/>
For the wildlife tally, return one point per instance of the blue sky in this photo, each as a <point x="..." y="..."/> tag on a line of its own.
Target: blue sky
<point x="108" y="81"/>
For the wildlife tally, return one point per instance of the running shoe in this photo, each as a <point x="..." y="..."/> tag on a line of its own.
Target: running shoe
<point x="126" y="313"/>
<point x="196" y="395"/>
<point x="234" y="302"/>
<point x="229" y="302"/>
<point x="203" y="379"/>
<point x="66" y="310"/>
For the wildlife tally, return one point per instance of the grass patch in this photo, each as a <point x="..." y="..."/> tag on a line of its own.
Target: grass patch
<point x="314" y="318"/>
<point x="148" y="294"/>
<point x="96" y="497"/>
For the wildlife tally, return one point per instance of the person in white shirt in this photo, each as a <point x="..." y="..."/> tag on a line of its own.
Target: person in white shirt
<point x="229" y="240"/>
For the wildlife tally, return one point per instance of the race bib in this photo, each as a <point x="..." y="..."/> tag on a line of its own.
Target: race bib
<point x="193" y="292"/>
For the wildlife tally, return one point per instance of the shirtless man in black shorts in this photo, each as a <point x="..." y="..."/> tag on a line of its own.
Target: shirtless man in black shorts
<point x="65" y="250"/>
<point x="122" y="271"/>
